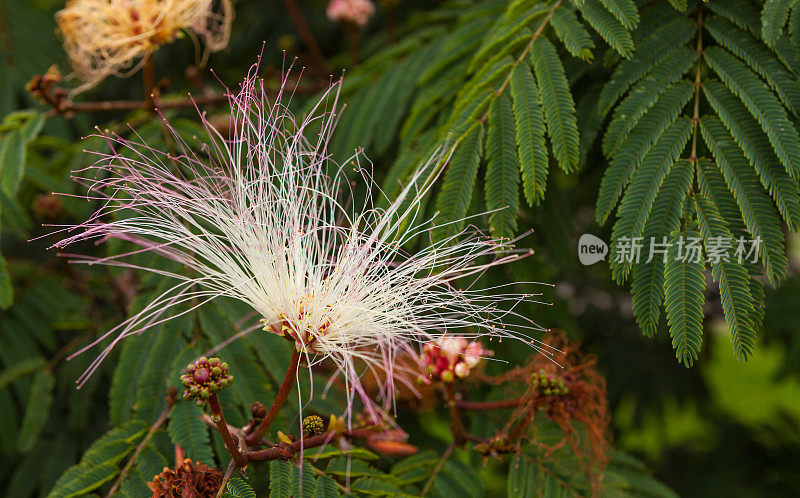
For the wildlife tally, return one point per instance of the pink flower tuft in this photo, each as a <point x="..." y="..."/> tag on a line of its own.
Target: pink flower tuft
<point x="356" y="12"/>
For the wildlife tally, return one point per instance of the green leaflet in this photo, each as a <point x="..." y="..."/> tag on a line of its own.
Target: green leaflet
<point x="37" y="410"/>
<point x="6" y="289"/>
<point x="455" y="195"/>
<point x="188" y="430"/>
<point x="756" y="208"/>
<point x="20" y="369"/>
<point x="732" y="279"/>
<point x="634" y="210"/>
<point x="773" y="17"/>
<point x="496" y="41"/>
<point x="12" y="162"/>
<point x="572" y="34"/>
<point x="638" y="144"/>
<point x="679" y="4"/>
<point x="326" y="488"/>
<point x="761" y="103"/>
<point x="742" y="13"/>
<point x="238" y="488"/>
<point x="502" y="171"/>
<point x="99" y="463"/>
<point x="281" y="479"/>
<point x="759" y="58"/>
<point x="650" y="52"/>
<point x="684" y="283"/>
<point x="559" y="108"/>
<point x="643" y="96"/>
<point x="608" y="27"/>
<point x="529" y="117"/>
<point x="647" y="279"/>
<point x="756" y="147"/>
<point x="624" y="10"/>
<point x="522" y="478"/>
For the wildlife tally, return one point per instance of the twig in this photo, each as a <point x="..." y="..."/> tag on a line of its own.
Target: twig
<point x="288" y="381"/>
<point x="487" y="405"/>
<point x="132" y="105"/>
<point x="286" y="451"/>
<point x="306" y="35"/>
<point x="698" y="84"/>
<point x="149" y="82"/>
<point x="438" y="468"/>
<point x="153" y="428"/>
<point x="354" y="43"/>
<point x="457" y="426"/>
<point x="222" y="427"/>
<point x="226" y="477"/>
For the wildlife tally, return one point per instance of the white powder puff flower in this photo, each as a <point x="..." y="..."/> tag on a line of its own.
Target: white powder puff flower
<point x="265" y="217"/>
<point x="357" y="12"/>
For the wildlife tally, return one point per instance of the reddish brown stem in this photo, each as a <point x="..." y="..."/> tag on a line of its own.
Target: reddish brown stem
<point x="287" y="451"/>
<point x="306" y="35"/>
<point x="254" y="437"/>
<point x="456" y="425"/>
<point x="219" y="420"/>
<point x="149" y="80"/>
<point x="487" y="405"/>
<point x="354" y="39"/>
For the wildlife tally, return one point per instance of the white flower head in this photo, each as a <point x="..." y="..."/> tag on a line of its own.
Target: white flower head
<point x="264" y="216"/>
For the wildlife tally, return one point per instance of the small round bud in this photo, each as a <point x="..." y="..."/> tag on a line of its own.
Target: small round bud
<point x="224" y="367"/>
<point x="447" y="376"/>
<point x="202" y="375"/>
<point x="187" y="395"/>
<point x="313" y="424"/>
<point x="204" y="378"/>
<point x="461" y="370"/>
<point x="258" y="410"/>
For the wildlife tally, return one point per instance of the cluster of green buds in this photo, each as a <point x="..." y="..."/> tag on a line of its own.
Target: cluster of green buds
<point x="313" y="424"/>
<point x="549" y="384"/>
<point x="204" y="378"/>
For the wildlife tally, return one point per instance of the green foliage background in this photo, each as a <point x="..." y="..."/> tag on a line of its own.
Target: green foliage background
<point x="620" y="118"/>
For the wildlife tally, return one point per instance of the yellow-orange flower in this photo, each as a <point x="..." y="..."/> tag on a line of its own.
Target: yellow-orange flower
<point x="114" y="37"/>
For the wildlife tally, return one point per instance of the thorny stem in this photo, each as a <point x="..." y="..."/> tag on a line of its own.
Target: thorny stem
<point x="254" y="437"/>
<point x="306" y="35"/>
<point x="438" y="468"/>
<point x="697" y="85"/>
<point x="457" y="426"/>
<point x="222" y="427"/>
<point x="153" y="428"/>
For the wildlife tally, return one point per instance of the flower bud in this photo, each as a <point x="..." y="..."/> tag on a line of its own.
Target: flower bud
<point x="447" y="376"/>
<point x="461" y="370"/>
<point x="313" y="424"/>
<point x="202" y="375"/>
